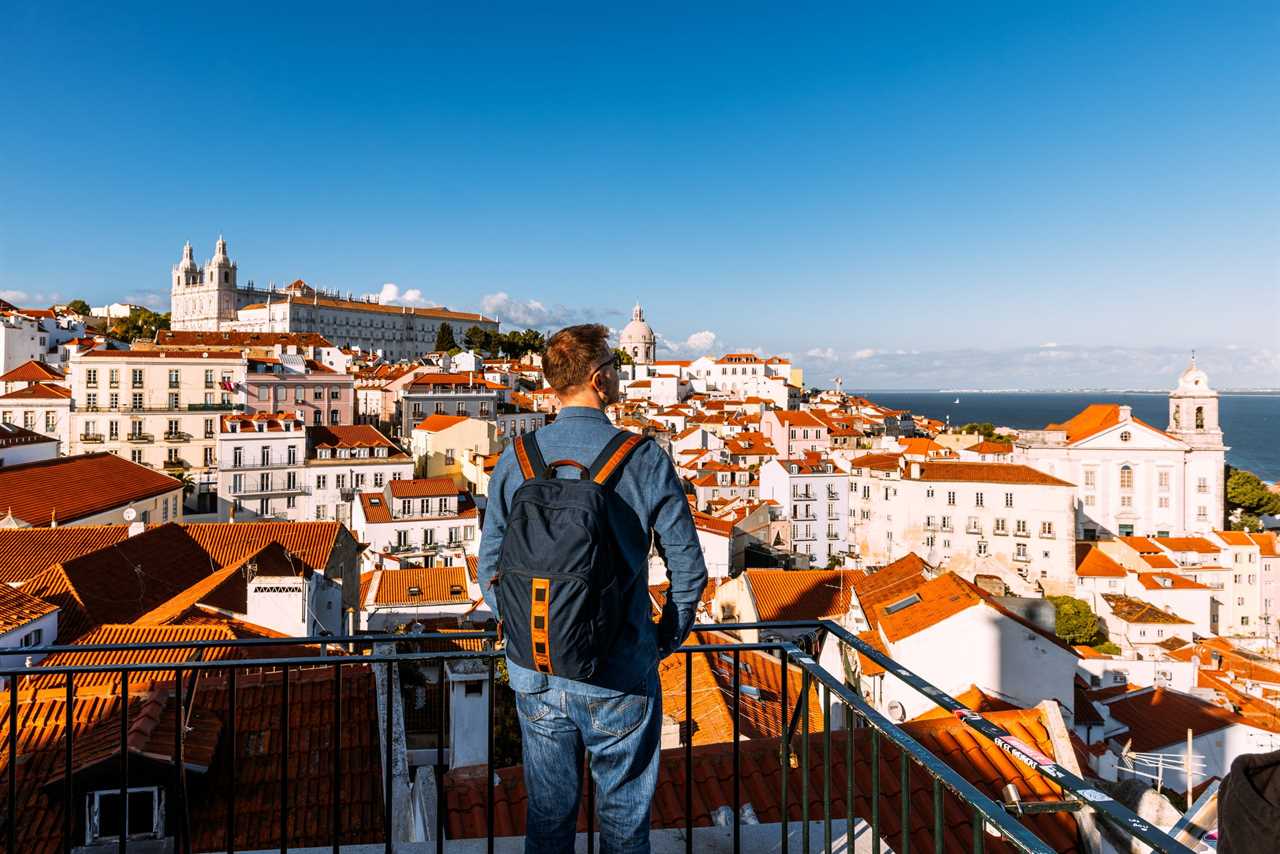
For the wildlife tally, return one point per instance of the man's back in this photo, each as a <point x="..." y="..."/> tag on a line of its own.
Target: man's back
<point x="649" y="488"/>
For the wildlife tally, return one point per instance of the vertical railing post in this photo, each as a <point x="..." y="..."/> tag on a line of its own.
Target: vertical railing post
<point x="688" y="753"/>
<point x="124" y="759"/>
<point x="489" y="801"/>
<point x="591" y="803"/>
<point x="937" y="816"/>
<point x="335" y="743"/>
<point x="737" y="759"/>
<point x="850" y="813"/>
<point x="804" y="761"/>
<point x="284" y="759"/>
<point x="232" y="759"/>
<point x="388" y="730"/>
<point x="875" y="791"/>
<point x="905" y="789"/>
<point x="826" y="767"/>
<point x="786" y="751"/>
<point x="12" y="815"/>
<point x="69" y="789"/>
<point x="179" y="761"/>
<point x="439" y="769"/>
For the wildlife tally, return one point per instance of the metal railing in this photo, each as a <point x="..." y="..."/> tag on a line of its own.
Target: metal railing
<point x="883" y="741"/>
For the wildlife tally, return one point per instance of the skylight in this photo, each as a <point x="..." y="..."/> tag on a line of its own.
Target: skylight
<point x="415" y="591"/>
<point x="902" y="604"/>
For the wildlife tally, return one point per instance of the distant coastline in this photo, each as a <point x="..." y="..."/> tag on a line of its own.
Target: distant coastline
<point x="1264" y="392"/>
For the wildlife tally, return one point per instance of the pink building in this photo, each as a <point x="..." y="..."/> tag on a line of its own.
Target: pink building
<point x="794" y="432"/>
<point x="297" y="384"/>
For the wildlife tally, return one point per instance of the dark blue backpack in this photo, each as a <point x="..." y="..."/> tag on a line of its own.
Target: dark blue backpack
<point x="561" y="577"/>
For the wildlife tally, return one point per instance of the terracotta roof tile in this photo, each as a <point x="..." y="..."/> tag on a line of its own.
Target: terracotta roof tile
<point x="25" y="552"/>
<point x="33" y="371"/>
<point x="1093" y="562"/>
<point x="1199" y="545"/>
<point x="1132" y="610"/>
<point x="807" y="594"/>
<point x="1159" y="717"/>
<point x="939" y="599"/>
<point x="424" y="487"/>
<point x="435" y="585"/>
<point x="970" y="472"/>
<point x="437" y="422"/>
<point x="39" y="391"/>
<point x="69" y="488"/>
<point x="17" y="608"/>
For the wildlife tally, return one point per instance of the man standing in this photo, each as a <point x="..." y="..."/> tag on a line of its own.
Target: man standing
<point x="615" y="714"/>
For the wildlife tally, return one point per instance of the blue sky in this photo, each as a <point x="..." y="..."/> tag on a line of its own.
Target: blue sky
<point x="887" y="195"/>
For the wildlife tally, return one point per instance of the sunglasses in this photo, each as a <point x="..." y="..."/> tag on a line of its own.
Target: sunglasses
<point x="615" y="360"/>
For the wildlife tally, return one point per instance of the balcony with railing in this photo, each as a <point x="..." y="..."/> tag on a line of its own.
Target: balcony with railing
<point x="394" y="741"/>
<point x="140" y="438"/>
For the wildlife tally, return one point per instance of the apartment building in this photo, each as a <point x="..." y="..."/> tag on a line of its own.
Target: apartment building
<point x="427" y="521"/>
<point x="468" y="394"/>
<point x="972" y="518"/>
<point x="159" y="408"/>
<point x="36" y="398"/>
<point x="346" y="460"/>
<point x="815" y="495"/>
<point x="260" y="472"/>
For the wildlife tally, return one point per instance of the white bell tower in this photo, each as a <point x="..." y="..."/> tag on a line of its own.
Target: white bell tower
<point x="1193" y="410"/>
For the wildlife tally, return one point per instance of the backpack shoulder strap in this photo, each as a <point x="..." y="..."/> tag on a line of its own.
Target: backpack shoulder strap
<point x="529" y="456"/>
<point x="614" y="454"/>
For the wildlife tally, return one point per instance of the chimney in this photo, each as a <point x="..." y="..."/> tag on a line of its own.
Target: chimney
<point x="136" y="528"/>
<point x="1126" y="413"/>
<point x="915" y="470"/>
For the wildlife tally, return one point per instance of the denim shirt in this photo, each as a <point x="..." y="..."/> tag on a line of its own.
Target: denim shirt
<point x="649" y="486"/>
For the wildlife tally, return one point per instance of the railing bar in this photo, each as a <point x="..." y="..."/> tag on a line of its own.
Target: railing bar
<point x="387" y="797"/>
<point x="69" y="790"/>
<point x="875" y="791"/>
<point x="904" y="786"/>
<point x="804" y="762"/>
<point x="443" y="682"/>
<point x="591" y="804"/>
<point x="489" y="800"/>
<point x="180" y="759"/>
<point x="850" y="813"/>
<point x="826" y="767"/>
<point x="737" y="758"/>
<point x="124" y="759"/>
<point x="688" y="752"/>
<point x="978" y="841"/>
<point x="335" y="739"/>
<point x="937" y="816"/>
<point x="284" y="760"/>
<point x="786" y="749"/>
<point x="13" y="767"/>
<point x="234" y="751"/>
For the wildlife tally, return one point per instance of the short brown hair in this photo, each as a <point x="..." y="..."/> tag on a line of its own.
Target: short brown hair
<point x="572" y="353"/>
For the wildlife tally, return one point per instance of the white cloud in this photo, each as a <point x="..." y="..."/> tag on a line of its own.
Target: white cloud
<point x="865" y="353"/>
<point x="822" y="354"/>
<point x="391" y="294"/>
<point x="703" y="341"/>
<point x="150" y="299"/>
<point x="536" y="314"/>
<point x="14" y="297"/>
<point x="1049" y="344"/>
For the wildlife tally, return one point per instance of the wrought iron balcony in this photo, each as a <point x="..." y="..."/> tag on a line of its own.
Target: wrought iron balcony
<point x="276" y="742"/>
<point x="140" y="438"/>
<point x="92" y="438"/>
<point x="177" y="436"/>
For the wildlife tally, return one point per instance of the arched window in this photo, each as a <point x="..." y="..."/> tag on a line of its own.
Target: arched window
<point x="1199" y="417"/>
<point x="1126" y="477"/>
<point x="1177" y="417"/>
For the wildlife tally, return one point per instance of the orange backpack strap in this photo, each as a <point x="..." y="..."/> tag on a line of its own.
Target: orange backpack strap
<point x="615" y="453"/>
<point x="529" y="456"/>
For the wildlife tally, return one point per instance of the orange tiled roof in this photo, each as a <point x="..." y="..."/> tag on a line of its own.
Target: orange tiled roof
<point x="424" y="487"/>
<point x="437" y="586"/>
<point x="25" y="552"/>
<point x="134" y="634"/>
<point x="941" y="598"/>
<point x="17" y="608"/>
<point x="437" y="422"/>
<point x="65" y="489"/>
<point x="39" y="391"/>
<point x="1268" y="544"/>
<point x="1159" y="717"/>
<point x="203" y="338"/>
<point x="1093" y="562"/>
<point x="972" y="472"/>
<point x="353" y="436"/>
<point x="889" y="584"/>
<point x="1198" y="545"/>
<point x="1160" y="561"/>
<point x="313" y="542"/>
<point x="32" y="371"/>
<point x="974" y="758"/>
<point x="1168" y="581"/>
<point x="877" y="462"/>
<point x="971" y="698"/>
<point x="807" y="594"/>
<point x="1095" y="418"/>
<point x="1132" y="610"/>
<point x="1141" y="545"/>
<point x="1235" y="538"/>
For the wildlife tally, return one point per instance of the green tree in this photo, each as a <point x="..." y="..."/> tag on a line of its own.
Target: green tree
<point x="444" y="338"/>
<point x="624" y="355"/>
<point x="141" y="323"/>
<point x="476" y="338"/>
<point x="1107" y="648"/>
<point x="1075" y="621"/>
<point x="79" y="306"/>
<point x="1248" y="498"/>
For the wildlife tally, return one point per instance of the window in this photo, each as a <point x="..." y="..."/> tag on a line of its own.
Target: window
<point x="1090" y="478"/>
<point x="32" y="638"/>
<point x="1202" y="485"/>
<point x="978" y="499"/>
<point x="340" y="481"/>
<point x="91" y="377"/>
<point x="208" y="379"/>
<point x="136" y="455"/>
<point x="1126" y="436"/>
<point x="136" y="400"/>
<point x="173" y="400"/>
<point x="1126" y="500"/>
<point x="1202" y="513"/>
<point x="113" y="400"/>
<point x="334" y="417"/>
<point x="402" y="538"/>
<point x="1163" y="502"/>
<point x="1090" y="500"/>
<point x="50" y="422"/>
<point x="208" y="456"/>
<point x="135" y="377"/>
<point x="1126" y="477"/>
<point x="1046" y="529"/>
<point x="378" y="479"/>
<point x="902" y="604"/>
<point x="1020" y="528"/>
<point x="318" y="394"/>
<point x="982" y="548"/>
<point x="1199" y="417"/>
<point x="1008" y="499"/>
<point x="951" y="499"/>
<point x="448" y="456"/>
<point x="106" y="815"/>
<point x="928" y="493"/>
<point x="1162" y="480"/>
<point x="90" y="400"/>
<point x="1001" y="526"/>
<point x="171" y="455"/>
<point x="946" y="523"/>
<point x="1020" y="552"/>
<point x="29" y="419"/>
<point x="174" y="381"/>
<point x="237" y="457"/>
<point x="322" y="481"/>
<point x="291" y="455"/>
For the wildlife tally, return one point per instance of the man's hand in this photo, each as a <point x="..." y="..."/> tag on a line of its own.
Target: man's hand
<point x="668" y="627"/>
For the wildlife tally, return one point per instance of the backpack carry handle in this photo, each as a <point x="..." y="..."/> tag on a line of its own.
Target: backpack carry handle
<point x="550" y="471"/>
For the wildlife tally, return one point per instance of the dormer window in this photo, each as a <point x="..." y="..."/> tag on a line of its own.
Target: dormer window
<point x="324" y="453"/>
<point x="415" y="590"/>
<point x="105" y="815"/>
<point x="455" y="589"/>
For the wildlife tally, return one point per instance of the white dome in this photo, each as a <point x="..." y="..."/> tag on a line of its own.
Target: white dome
<point x="1193" y="380"/>
<point x="637" y="331"/>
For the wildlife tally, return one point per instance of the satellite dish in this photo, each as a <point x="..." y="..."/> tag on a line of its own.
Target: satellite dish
<point x="130" y="514"/>
<point x="896" y="712"/>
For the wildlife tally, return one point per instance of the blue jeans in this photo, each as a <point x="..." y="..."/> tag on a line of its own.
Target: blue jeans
<point x="622" y="734"/>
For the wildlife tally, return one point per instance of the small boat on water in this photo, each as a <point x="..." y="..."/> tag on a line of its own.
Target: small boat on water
<point x="957" y="400"/>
